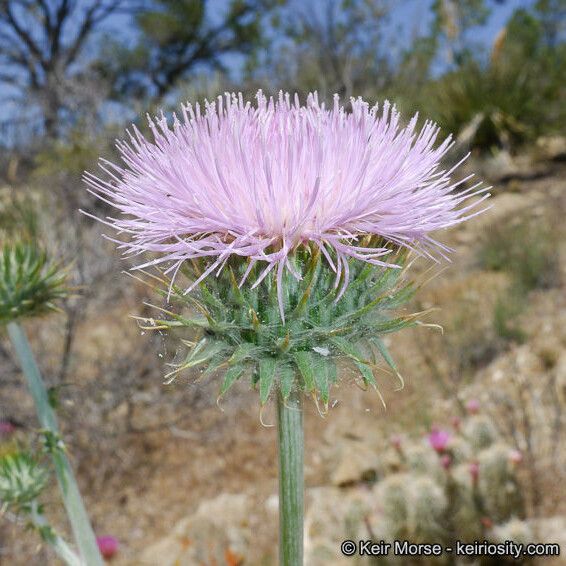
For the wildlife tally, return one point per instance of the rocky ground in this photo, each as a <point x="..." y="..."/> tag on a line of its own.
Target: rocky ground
<point x="182" y="481"/>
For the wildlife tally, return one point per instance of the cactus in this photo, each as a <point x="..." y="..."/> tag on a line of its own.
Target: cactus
<point x="515" y="530"/>
<point x="480" y="432"/>
<point x="451" y="486"/>
<point x="497" y="483"/>
<point x="460" y="450"/>
<point x="420" y="459"/>
<point x="427" y="504"/>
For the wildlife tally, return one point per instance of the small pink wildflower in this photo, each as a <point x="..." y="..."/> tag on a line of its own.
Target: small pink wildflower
<point x="396" y="441"/>
<point x="439" y="439"/>
<point x="473" y="406"/>
<point x="515" y="457"/>
<point x="446" y="461"/>
<point x="7" y="428"/>
<point x="259" y="181"/>
<point x="108" y="545"/>
<point x="474" y="469"/>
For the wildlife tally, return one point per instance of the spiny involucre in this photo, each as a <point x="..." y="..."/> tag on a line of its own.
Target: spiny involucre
<point x="259" y="181"/>
<point x="30" y="282"/>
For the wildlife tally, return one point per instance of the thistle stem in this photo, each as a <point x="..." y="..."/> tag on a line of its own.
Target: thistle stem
<point x="61" y="548"/>
<point x="291" y="483"/>
<point x="82" y="529"/>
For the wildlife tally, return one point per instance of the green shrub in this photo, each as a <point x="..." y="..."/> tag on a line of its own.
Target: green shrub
<point x="526" y="250"/>
<point x="512" y="99"/>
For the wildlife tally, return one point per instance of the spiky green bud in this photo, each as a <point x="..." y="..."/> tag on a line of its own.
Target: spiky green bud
<point x="22" y="479"/>
<point x="30" y="284"/>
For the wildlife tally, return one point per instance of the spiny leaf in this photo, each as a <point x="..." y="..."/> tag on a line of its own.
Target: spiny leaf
<point x="231" y="375"/>
<point x="384" y="352"/>
<point x="399" y="297"/>
<point x="209" y="350"/>
<point x="369" y="378"/>
<point x="308" y="282"/>
<point x="236" y="291"/>
<point x="324" y="376"/>
<point x="201" y="353"/>
<point x="211" y="300"/>
<point x="347" y="348"/>
<point x="266" y="377"/>
<point x="305" y="363"/>
<point x="394" y="324"/>
<point x="215" y="363"/>
<point x="179" y="320"/>
<point x="161" y="324"/>
<point x="387" y="357"/>
<point x="286" y="379"/>
<point x="243" y="352"/>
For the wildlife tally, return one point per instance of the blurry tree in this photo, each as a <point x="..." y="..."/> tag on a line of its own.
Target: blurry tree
<point x="58" y="169"/>
<point x="175" y="38"/>
<point x="453" y="20"/>
<point x="332" y="47"/>
<point x="42" y="49"/>
<point x="552" y="15"/>
<point x="512" y="97"/>
<point x="413" y="72"/>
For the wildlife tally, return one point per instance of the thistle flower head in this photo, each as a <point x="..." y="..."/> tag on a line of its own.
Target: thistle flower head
<point x="259" y="181"/>
<point x="30" y="284"/>
<point x="314" y="206"/>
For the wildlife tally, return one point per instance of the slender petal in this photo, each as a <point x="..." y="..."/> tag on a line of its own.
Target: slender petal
<point x="257" y="181"/>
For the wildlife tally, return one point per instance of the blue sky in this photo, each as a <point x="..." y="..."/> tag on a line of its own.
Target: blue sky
<point x="407" y="18"/>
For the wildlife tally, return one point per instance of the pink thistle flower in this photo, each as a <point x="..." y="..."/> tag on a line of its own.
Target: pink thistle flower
<point x="258" y="181"/>
<point x="439" y="439"/>
<point x="473" y="406"/>
<point x="108" y="545"/>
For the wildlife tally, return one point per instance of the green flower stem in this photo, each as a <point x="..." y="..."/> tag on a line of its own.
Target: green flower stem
<point x="61" y="548"/>
<point x="82" y="529"/>
<point x="291" y="482"/>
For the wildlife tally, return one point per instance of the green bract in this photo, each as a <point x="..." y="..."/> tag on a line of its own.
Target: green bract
<point x="22" y="479"/>
<point x="29" y="283"/>
<point x="240" y="330"/>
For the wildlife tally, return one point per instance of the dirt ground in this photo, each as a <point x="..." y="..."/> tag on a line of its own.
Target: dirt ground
<point x="149" y="455"/>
